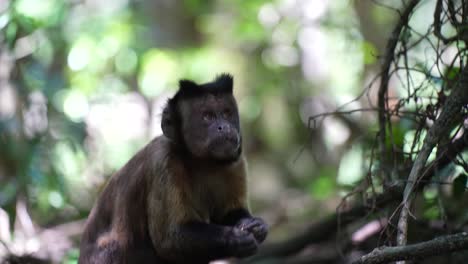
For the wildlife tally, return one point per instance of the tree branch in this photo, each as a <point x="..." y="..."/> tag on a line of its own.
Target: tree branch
<point x="438" y="25"/>
<point x="385" y="78"/>
<point x="437" y="246"/>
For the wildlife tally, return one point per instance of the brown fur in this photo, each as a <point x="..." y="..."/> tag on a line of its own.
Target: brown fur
<point x="154" y="193"/>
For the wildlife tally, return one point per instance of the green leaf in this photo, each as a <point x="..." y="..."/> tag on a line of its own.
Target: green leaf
<point x="432" y="213"/>
<point x="452" y="73"/>
<point x="398" y="136"/>
<point x="10" y="34"/>
<point x="369" y="52"/>
<point x="322" y="187"/>
<point x="459" y="186"/>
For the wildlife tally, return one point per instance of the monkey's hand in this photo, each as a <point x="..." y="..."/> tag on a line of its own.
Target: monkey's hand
<point x="241" y="243"/>
<point x="255" y="226"/>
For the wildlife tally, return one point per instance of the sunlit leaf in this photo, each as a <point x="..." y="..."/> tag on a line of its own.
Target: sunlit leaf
<point x="370" y="52"/>
<point x="322" y="187"/>
<point x="10" y="34"/>
<point x="197" y="7"/>
<point x="452" y="73"/>
<point x="398" y="136"/>
<point x="432" y="213"/>
<point x="72" y="256"/>
<point x="430" y="193"/>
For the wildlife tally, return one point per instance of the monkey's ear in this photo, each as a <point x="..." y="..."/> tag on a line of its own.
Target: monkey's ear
<point x="225" y="81"/>
<point x="187" y="85"/>
<point x="168" y="122"/>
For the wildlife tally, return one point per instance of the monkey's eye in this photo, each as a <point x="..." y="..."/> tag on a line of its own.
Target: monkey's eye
<point x="227" y="113"/>
<point x="208" y="116"/>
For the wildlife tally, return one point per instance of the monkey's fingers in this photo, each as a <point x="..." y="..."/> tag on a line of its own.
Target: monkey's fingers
<point x="247" y="224"/>
<point x="245" y="246"/>
<point x="260" y="233"/>
<point x="253" y="223"/>
<point x="255" y="226"/>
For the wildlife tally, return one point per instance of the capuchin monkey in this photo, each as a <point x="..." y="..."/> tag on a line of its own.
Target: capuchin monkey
<point x="183" y="197"/>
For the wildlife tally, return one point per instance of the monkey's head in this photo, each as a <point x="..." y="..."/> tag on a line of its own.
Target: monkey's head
<point x="203" y="120"/>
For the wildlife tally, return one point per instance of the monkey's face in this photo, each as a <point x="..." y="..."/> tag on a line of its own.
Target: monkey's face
<point x="210" y="127"/>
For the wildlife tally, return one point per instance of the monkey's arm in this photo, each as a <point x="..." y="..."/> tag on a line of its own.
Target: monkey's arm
<point x="201" y="242"/>
<point x="236" y="212"/>
<point x="188" y="237"/>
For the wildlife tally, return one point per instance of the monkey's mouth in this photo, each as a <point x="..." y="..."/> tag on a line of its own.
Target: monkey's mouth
<point x="225" y="148"/>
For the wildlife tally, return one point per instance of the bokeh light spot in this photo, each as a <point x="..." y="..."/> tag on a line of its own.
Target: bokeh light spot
<point x="75" y="105"/>
<point x="80" y="54"/>
<point x="55" y="199"/>
<point x="158" y="71"/>
<point x="126" y="61"/>
<point x="37" y="9"/>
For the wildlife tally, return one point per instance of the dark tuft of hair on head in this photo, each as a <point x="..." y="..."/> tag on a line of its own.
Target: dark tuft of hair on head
<point x="187" y="85"/>
<point x="224" y="81"/>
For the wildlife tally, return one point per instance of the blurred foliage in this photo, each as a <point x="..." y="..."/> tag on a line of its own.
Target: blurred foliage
<point x="82" y="84"/>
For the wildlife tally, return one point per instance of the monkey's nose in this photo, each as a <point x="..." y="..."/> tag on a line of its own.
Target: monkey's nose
<point x="223" y="128"/>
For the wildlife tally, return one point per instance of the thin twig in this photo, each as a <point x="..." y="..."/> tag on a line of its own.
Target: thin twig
<point x="450" y="112"/>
